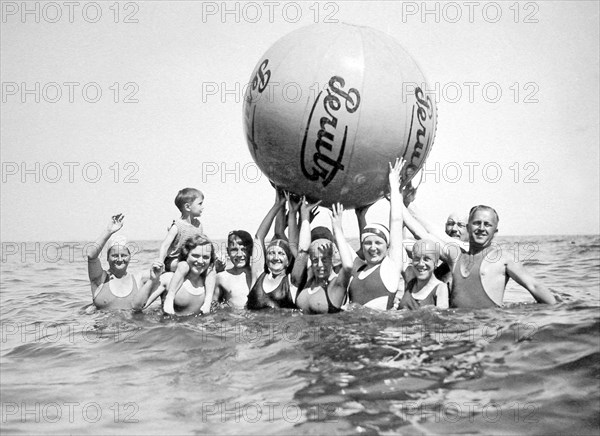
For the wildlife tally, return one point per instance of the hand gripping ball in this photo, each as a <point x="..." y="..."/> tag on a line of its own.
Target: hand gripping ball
<point x="328" y="107"/>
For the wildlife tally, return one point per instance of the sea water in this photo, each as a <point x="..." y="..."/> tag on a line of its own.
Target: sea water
<point x="67" y="368"/>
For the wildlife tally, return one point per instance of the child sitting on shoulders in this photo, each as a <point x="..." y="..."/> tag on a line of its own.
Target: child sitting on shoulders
<point x="189" y="201"/>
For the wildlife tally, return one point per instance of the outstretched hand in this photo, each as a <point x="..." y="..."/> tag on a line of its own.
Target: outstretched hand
<point x="156" y="270"/>
<point x="306" y="208"/>
<point x="395" y="175"/>
<point x="293" y="204"/>
<point x="337" y="210"/>
<point x="116" y="223"/>
<point x="280" y="197"/>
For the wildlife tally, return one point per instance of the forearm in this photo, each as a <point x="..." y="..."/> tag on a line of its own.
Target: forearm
<point x="266" y="223"/>
<point x="343" y="248"/>
<point x="99" y="244"/>
<point x="293" y="233"/>
<point x="209" y="289"/>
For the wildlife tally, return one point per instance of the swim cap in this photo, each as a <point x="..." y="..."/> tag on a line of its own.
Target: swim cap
<point x="120" y="240"/>
<point x="321" y="232"/>
<point x="284" y="246"/>
<point x="376" y="229"/>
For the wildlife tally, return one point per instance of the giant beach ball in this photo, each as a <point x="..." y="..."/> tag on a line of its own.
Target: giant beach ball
<point x="329" y="106"/>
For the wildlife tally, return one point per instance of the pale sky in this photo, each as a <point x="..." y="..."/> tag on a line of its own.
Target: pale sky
<point x="174" y="133"/>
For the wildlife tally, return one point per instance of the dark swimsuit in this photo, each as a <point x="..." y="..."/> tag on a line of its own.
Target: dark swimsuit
<point x="280" y="297"/>
<point x="362" y="291"/>
<point x="410" y="302"/>
<point x="330" y="307"/>
<point x="468" y="292"/>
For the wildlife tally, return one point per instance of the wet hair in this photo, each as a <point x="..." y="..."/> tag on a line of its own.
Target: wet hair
<point x="197" y="241"/>
<point x="186" y="195"/>
<point x="243" y="236"/>
<point x="483" y="207"/>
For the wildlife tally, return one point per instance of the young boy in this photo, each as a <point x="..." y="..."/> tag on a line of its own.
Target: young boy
<point x="189" y="201"/>
<point x="479" y="275"/>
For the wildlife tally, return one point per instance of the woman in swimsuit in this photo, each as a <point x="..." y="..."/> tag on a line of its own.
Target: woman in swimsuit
<point x="375" y="281"/>
<point x="194" y="295"/>
<point x="424" y="289"/>
<point x="325" y="291"/>
<point x="274" y="288"/>
<point x="116" y="289"/>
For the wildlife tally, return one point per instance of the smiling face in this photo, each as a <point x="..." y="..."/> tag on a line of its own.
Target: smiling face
<point x="483" y="225"/>
<point x="237" y="252"/>
<point x="199" y="259"/>
<point x="424" y="260"/>
<point x="374" y="249"/>
<point x="321" y="259"/>
<point x="456" y="227"/>
<point x="118" y="259"/>
<point x="277" y="259"/>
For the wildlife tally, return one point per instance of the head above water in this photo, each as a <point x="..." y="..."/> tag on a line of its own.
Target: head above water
<point x="482" y="226"/>
<point x="239" y="247"/>
<point x="278" y="256"/>
<point x="118" y="255"/>
<point x="374" y="242"/>
<point x="321" y="258"/>
<point x="456" y="227"/>
<point x="193" y="242"/>
<point x="187" y="196"/>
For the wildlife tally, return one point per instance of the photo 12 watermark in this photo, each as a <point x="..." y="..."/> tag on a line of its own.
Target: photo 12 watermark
<point x="69" y="92"/>
<point x="269" y="12"/>
<point x="266" y="411"/>
<point x="51" y="12"/>
<point x="54" y="252"/>
<point x="472" y="411"/>
<point x="69" y="172"/>
<point x="68" y="412"/>
<point x="71" y="332"/>
<point x="470" y="12"/>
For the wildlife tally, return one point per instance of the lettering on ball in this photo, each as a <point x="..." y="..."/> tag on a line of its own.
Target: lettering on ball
<point x="324" y="159"/>
<point x="260" y="81"/>
<point x="423" y="109"/>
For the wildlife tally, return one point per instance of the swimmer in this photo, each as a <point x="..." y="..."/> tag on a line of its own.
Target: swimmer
<point x="233" y="285"/>
<point x="456" y="227"/>
<point x="274" y="287"/>
<point x="190" y="202"/>
<point x="375" y="281"/>
<point x="325" y="291"/>
<point x="194" y="295"/>
<point x="424" y="289"/>
<point x="479" y="275"/>
<point x="116" y="288"/>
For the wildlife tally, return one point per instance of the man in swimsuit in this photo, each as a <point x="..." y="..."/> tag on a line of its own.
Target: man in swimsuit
<point x="480" y="275"/>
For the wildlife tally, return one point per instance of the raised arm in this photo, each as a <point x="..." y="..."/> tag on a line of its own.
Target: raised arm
<point x="94" y="266"/>
<point x="396" y="223"/>
<point x="535" y="288"/>
<point x="299" y="272"/>
<point x="258" y="256"/>
<point x="151" y="285"/>
<point x="340" y="286"/>
<point x="293" y="207"/>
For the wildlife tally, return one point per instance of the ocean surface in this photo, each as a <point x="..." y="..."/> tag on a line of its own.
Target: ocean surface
<point x="67" y="368"/>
